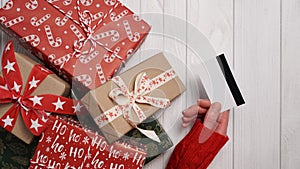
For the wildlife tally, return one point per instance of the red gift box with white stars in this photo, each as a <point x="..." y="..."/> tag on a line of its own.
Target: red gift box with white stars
<point x="66" y="145"/>
<point x="83" y="40"/>
<point x="29" y="92"/>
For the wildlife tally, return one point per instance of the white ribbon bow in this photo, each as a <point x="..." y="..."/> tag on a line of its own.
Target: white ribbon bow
<point x="127" y="101"/>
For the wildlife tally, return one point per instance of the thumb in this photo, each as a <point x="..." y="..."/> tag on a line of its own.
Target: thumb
<point x="210" y="122"/>
<point x="223" y="123"/>
<point x="212" y="116"/>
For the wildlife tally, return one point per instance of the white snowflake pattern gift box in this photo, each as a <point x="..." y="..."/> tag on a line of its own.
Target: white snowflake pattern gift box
<point x="65" y="144"/>
<point x="83" y="40"/>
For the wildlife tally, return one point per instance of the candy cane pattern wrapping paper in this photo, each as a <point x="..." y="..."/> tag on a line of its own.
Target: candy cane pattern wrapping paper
<point x="103" y="31"/>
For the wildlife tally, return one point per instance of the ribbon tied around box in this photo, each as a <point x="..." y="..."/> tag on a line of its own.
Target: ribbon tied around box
<point x="81" y="46"/>
<point x="33" y="108"/>
<point x="126" y="100"/>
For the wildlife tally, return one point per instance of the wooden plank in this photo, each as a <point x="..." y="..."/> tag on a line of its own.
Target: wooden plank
<point x="175" y="50"/>
<point x="290" y="100"/>
<point x="214" y="19"/>
<point x="132" y="5"/>
<point x="257" y="66"/>
<point x="153" y="45"/>
<point x="155" y="40"/>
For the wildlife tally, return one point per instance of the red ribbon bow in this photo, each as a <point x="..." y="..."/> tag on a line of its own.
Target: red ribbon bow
<point x="33" y="108"/>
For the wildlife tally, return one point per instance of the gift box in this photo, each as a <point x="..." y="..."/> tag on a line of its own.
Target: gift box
<point x="154" y="149"/>
<point x="14" y="153"/>
<point x="67" y="145"/>
<point x="28" y="91"/>
<point x="122" y="103"/>
<point x="84" y="41"/>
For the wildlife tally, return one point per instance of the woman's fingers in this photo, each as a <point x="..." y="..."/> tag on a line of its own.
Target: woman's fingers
<point x="188" y="119"/>
<point x="191" y="111"/>
<point x="223" y="123"/>
<point x="184" y="125"/>
<point x="190" y="115"/>
<point x="212" y="116"/>
<point x="204" y="103"/>
<point x="202" y="110"/>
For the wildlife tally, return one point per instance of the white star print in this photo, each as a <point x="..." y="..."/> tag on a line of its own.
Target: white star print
<point x="9" y="66"/>
<point x="59" y="104"/>
<point x="77" y="108"/>
<point x="7" y="121"/>
<point x="85" y="140"/>
<point x="45" y="70"/>
<point x="7" y="47"/>
<point x="33" y="83"/>
<point x="16" y="87"/>
<point x="48" y="140"/>
<point x="63" y="156"/>
<point x="14" y="97"/>
<point x="4" y="87"/>
<point x="35" y="124"/>
<point x="36" y="100"/>
<point x="126" y="156"/>
<point x="44" y="119"/>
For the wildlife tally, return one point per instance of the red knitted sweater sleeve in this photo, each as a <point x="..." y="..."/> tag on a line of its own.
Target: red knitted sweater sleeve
<point x="190" y="154"/>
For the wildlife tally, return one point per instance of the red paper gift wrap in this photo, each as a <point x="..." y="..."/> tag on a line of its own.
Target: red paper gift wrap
<point x="82" y="40"/>
<point x="66" y="145"/>
<point x="28" y="91"/>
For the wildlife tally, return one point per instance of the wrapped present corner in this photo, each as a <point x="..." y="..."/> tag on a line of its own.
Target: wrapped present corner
<point x="122" y="103"/>
<point x="28" y="92"/>
<point x="66" y="145"/>
<point x="153" y="148"/>
<point x="84" y="41"/>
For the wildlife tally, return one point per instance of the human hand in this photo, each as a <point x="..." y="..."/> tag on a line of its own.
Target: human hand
<point x="199" y="147"/>
<point x="213" y="120"/>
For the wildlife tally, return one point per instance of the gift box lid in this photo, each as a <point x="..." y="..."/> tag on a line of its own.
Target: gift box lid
<point x="98" y="101"/>
<point x="83" y="42"/>
<point x="52" y="84"/>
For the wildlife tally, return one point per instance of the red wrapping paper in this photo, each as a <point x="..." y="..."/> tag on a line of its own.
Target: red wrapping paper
<point x="57" y="33"/>
<point x="66" y="145"/>
<point x="31" y="107"/>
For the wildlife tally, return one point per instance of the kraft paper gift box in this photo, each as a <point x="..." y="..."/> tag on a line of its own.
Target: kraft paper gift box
<point x="84" y="41"/>
<point x="28" y="90"/>
<point x="117" y="109"/>
<point x="65" y="144"/>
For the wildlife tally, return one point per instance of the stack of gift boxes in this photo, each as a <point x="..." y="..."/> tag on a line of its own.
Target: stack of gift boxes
<point x="84" y="43"/>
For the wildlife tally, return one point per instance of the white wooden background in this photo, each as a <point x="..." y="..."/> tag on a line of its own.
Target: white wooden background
<point x="261" y="38"/>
